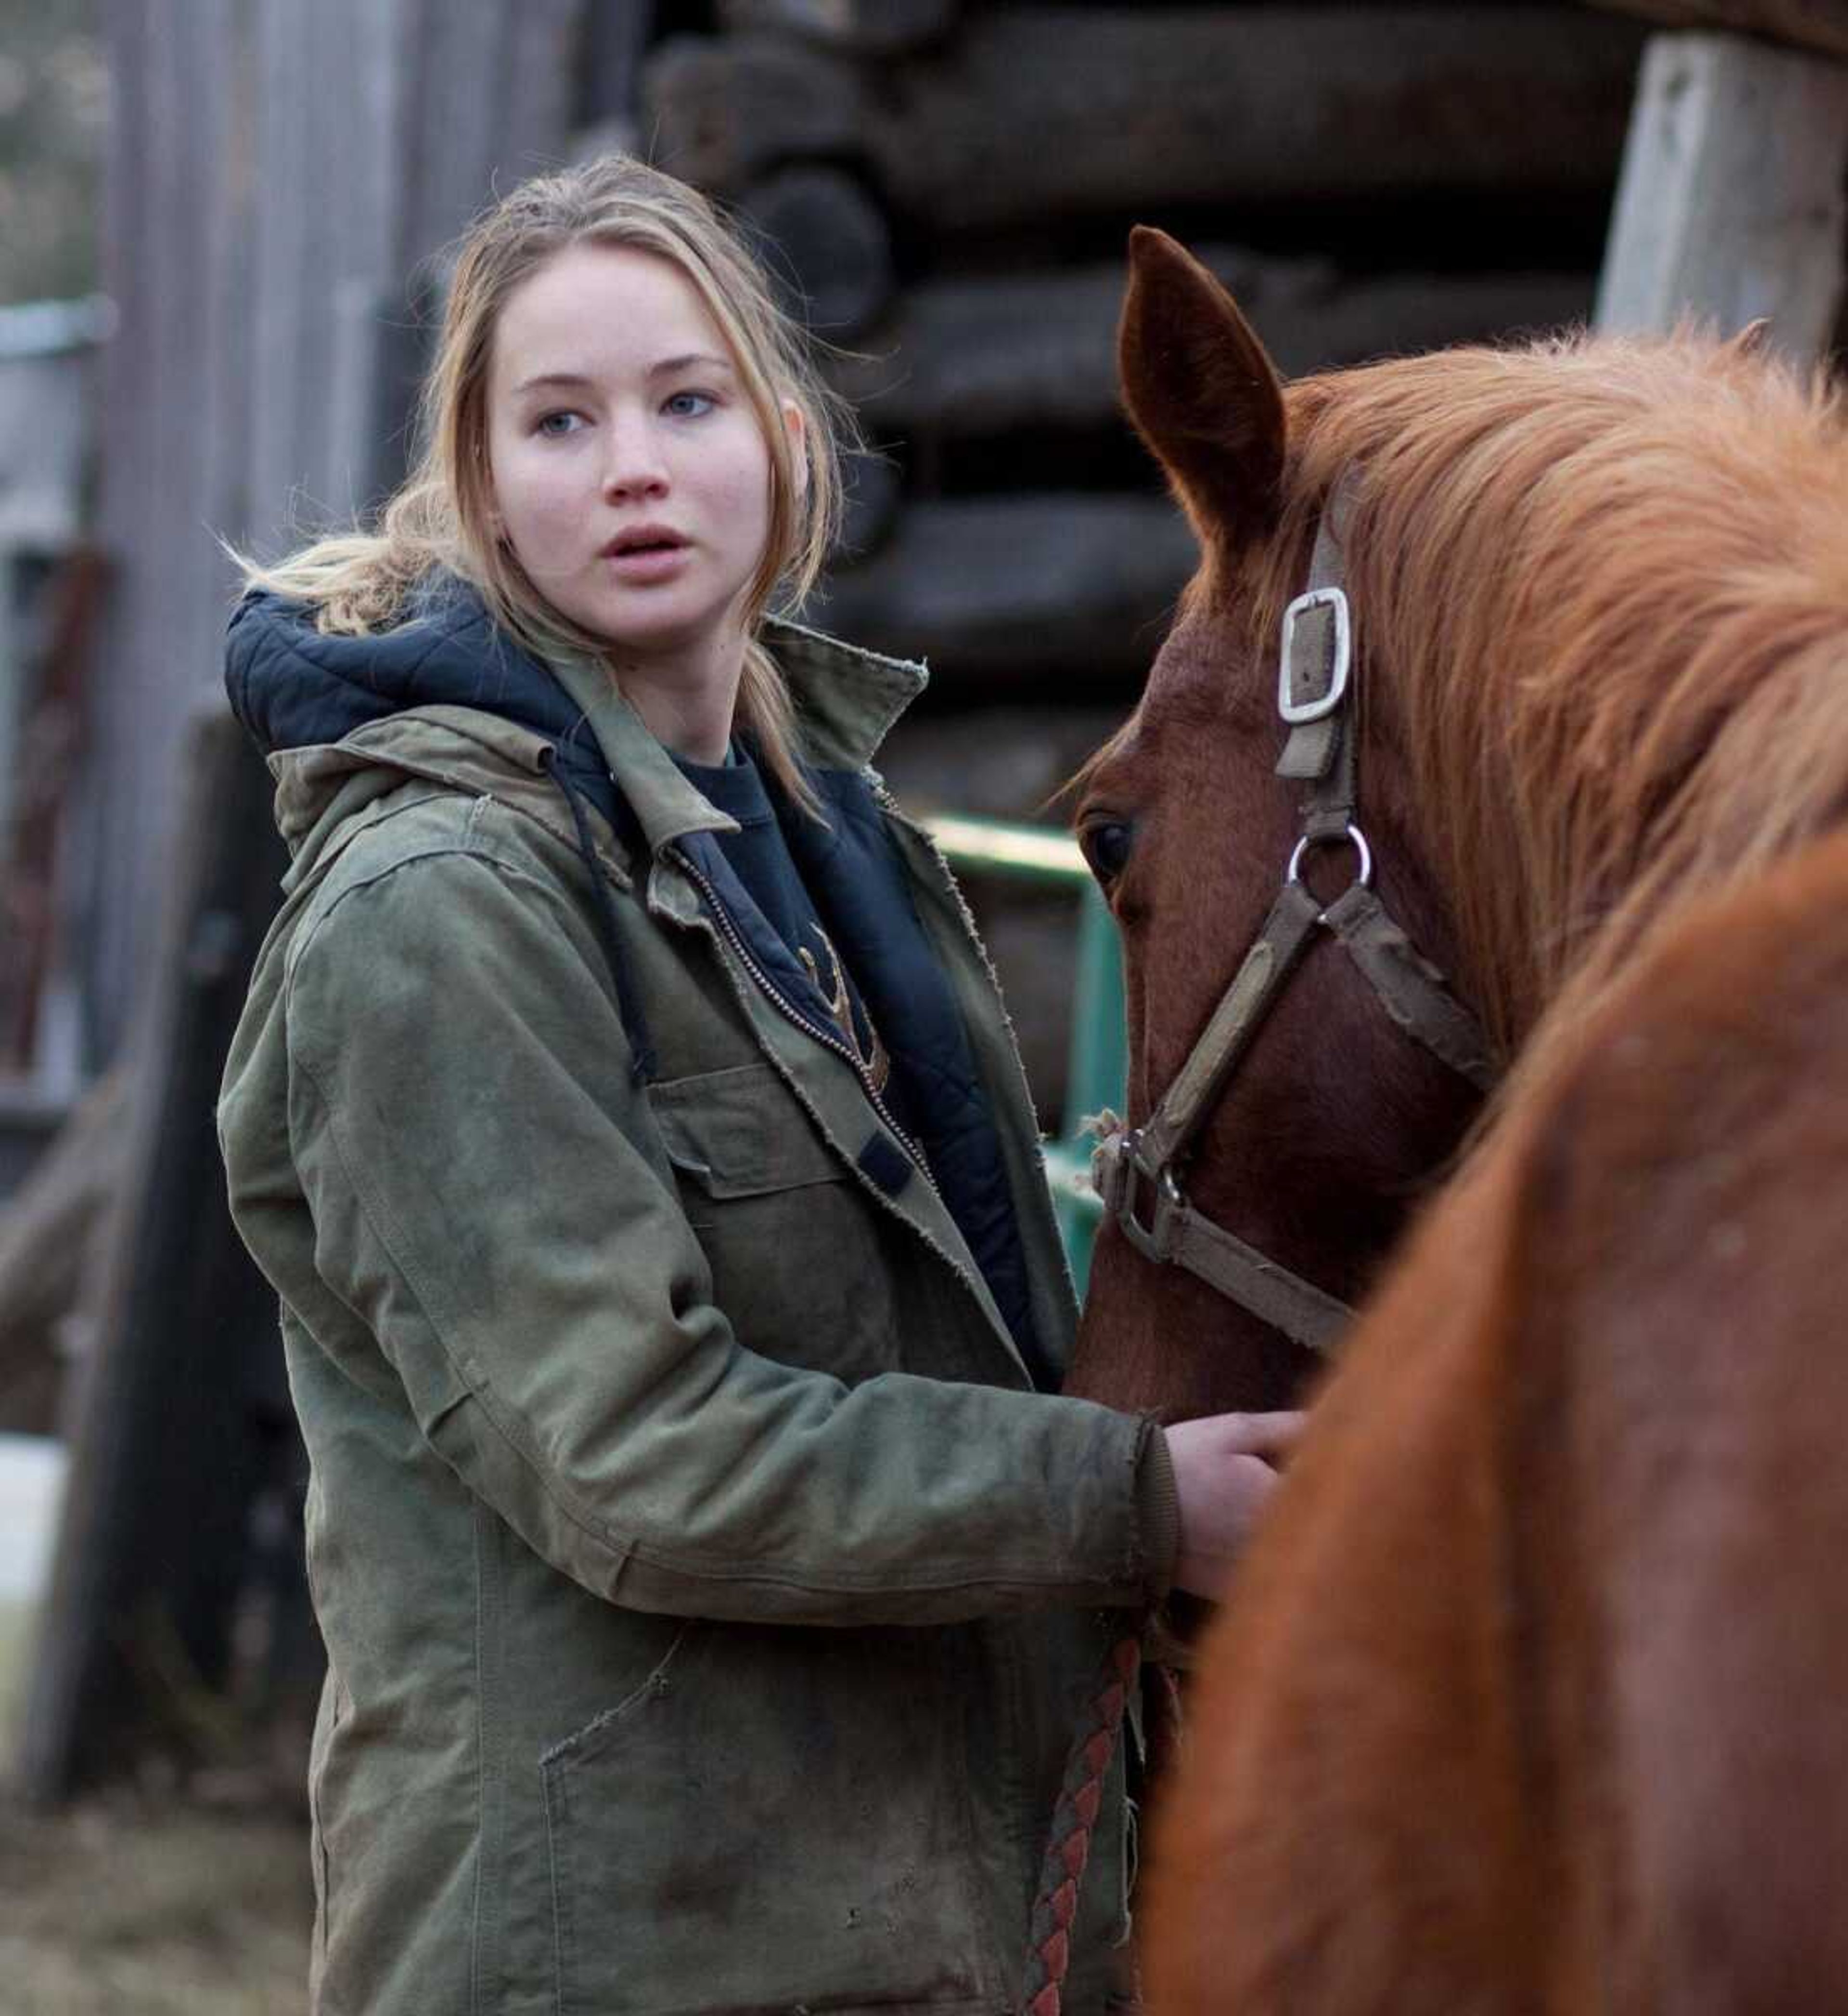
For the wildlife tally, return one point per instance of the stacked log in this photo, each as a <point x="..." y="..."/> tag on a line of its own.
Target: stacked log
<point x="945" y="191"/>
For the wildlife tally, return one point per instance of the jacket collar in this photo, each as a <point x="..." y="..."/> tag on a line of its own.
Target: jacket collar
<point x="296" y="689"/>
<point x="845" y="699"/>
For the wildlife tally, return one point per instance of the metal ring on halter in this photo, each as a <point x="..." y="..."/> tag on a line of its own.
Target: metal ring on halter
<point x="1352" y="833"/>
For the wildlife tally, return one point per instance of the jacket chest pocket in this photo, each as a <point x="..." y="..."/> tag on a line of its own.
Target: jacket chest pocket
<point x="795" y="1246"/>
<point x="738" y="1133"/>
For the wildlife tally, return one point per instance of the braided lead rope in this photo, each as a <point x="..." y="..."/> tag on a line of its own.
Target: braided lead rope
<point x="1069" y="1843"/>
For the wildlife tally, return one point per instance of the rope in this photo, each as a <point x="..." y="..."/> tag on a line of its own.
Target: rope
<point x="1068" y="1844"/>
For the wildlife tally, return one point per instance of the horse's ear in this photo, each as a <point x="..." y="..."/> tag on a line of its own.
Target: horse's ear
<point x="1200" y="390"/>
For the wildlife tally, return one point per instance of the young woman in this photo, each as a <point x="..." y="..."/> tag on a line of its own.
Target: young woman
<point x="625" y="1117"/>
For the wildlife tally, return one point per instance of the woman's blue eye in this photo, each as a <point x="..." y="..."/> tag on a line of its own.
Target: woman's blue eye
<point x="690" y="405"/>
<point x="555" y="425"/>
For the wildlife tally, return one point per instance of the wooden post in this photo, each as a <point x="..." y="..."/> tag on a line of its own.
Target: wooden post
<point x="151" y="1543"/>
<point x="1731" y="204"/>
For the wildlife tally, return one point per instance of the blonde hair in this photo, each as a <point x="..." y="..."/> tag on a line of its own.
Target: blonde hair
<point x="442" y="518"/>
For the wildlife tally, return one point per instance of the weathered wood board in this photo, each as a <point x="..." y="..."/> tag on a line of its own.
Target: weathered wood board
<point x="265" y="340"/>
<point x="874" y="27"/>
<point x="1821" y="25"/>
<point x="1731" y="205"/>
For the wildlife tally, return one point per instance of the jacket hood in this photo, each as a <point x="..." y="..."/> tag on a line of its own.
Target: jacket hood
<point x="293" y="686"/>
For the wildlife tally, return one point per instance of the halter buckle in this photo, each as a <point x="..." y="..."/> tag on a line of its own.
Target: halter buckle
<point x="1319" y="621"/>
<point x="1120" y="1175"/>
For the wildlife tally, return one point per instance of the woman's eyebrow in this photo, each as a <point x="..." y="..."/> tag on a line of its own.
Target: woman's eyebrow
<point x="668" y="365"/>
<point x="576" y="380"/>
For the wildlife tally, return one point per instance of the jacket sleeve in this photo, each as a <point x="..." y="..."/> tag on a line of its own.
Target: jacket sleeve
<point x="489" y="1198"/>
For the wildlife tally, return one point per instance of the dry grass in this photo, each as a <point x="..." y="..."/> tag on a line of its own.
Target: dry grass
<point x="15" y="1619"/>
<point x="154" y="1907"/>
<point x="156" y="1901"/>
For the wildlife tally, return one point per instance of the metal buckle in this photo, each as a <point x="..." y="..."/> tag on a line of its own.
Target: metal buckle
<point x="1120" y="1175"/>
<point x="1298" y="711"/>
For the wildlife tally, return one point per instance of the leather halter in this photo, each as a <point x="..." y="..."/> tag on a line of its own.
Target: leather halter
<point x="1135" y="1170"/>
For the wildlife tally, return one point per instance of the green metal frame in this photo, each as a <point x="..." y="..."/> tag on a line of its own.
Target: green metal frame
<point x="1097" y="1064"/>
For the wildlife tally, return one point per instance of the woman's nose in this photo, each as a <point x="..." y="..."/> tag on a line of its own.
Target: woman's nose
<point x="634" y="466"/>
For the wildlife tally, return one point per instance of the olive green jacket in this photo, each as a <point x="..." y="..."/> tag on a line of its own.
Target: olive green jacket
<point x="615" y="1395"/>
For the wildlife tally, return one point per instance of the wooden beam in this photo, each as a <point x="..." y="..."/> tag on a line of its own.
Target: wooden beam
<point x="1819" y="25"/>
<point x="47" y="1244"/>
<point x="1029" y="112"/>
<point x="1731" y="205"/>
<point x="871" y="27"/>
<point x="1059" y="586"/>
<point x="163" y="1456"/>
<point x="972" y="357"/>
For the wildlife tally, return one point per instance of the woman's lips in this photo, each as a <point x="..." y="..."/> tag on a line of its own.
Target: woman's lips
<point x="647" y="563"/>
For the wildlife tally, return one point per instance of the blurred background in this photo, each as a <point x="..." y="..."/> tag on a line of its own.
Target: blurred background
<point x="223" y="225"/>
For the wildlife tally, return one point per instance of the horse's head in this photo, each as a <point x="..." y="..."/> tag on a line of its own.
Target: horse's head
<point x="1334" y="1119"/>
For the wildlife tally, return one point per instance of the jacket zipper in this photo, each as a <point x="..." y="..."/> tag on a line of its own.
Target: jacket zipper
<point x="828" y="1041"/>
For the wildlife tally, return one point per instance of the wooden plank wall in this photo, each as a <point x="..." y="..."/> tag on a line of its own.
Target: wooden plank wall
<point x="1731" y="205"/>
<point x="276" y="169"/>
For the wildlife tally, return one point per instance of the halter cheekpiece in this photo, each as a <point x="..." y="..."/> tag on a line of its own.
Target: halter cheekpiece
<point x="1136" y="1170"/>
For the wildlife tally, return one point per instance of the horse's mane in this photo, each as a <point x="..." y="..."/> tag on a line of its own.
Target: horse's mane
<point x="1607" y="582"/>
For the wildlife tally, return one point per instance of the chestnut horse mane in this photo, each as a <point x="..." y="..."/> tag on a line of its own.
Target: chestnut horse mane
<point x="1605" y="583"/>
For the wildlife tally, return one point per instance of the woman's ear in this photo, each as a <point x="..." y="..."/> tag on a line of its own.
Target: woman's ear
<point x="796" y="427"/>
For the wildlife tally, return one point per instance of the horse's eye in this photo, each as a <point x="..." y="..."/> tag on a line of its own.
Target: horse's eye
<point x="1106" y="842"/>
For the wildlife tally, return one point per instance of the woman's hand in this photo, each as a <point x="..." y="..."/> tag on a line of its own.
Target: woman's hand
<point x="1225" y="1469"/>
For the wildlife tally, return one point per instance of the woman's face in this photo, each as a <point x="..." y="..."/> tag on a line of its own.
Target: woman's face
<point x="629" y="474"/>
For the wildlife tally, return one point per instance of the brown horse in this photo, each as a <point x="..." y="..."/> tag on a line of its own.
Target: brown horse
<point x="1600" y="594"/>
<point x="1530" y="1700"/>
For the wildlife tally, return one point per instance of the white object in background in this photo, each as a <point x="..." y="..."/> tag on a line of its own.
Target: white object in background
<point x="31" y="1488"/>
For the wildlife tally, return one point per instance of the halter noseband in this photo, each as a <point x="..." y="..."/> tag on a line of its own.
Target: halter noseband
<point x="1135" y="1170"/>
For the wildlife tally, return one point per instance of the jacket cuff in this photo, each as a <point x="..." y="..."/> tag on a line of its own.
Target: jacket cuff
<point x="1157" y="1512"/>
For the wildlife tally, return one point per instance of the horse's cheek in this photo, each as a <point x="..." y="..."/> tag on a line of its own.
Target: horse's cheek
<point x="1116" y="1361"/>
